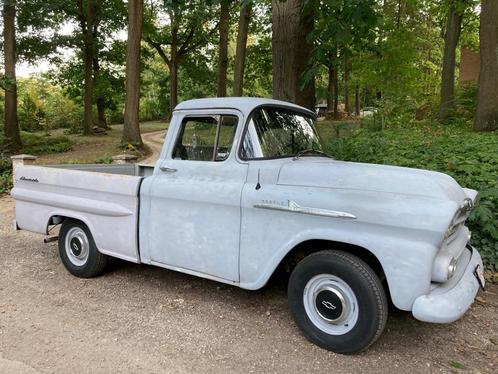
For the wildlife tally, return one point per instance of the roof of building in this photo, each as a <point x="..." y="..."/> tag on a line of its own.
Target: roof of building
<point x="243" y="104"/>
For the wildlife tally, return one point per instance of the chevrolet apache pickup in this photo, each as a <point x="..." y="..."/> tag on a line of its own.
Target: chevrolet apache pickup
<point x="241" y="188"/>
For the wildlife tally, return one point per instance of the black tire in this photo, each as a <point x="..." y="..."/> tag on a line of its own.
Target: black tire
<point x="92" y="263"/>
<point x="371" y="311"/>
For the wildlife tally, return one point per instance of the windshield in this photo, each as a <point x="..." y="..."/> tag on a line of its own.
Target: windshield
<point x="275" y="132"/>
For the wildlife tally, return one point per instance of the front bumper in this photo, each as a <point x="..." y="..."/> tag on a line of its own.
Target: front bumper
<point x="449" y="301"/>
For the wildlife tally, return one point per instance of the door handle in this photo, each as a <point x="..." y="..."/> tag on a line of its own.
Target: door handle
<point x="167" y="169"/>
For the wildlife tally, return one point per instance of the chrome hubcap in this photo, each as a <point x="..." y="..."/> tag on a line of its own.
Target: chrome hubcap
<point x="330" y="304"/>
<point x="77" y="246"/>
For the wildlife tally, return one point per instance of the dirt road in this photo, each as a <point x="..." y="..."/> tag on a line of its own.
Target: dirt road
<point x="155" y="142"/>
<point x="138" y="318"/>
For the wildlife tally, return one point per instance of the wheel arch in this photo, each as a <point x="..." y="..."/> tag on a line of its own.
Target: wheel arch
<point x="307" y="247"/>
<point x="59" y="218"/>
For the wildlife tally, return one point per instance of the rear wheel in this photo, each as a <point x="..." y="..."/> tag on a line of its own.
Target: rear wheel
<point x="337" y="301"/>
<point x="78" y="251"/>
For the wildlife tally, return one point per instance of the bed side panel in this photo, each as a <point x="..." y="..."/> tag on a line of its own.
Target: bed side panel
<point x="106" y="203"/>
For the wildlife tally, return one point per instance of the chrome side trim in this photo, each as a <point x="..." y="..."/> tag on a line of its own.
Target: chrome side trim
<point x="294" y="207"/>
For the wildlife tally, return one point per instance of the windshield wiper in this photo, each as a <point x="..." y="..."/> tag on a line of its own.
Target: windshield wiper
<point x="309" y="151"/>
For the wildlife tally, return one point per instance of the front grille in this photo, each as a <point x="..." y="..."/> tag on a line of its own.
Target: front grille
<point x="458" y="221"/>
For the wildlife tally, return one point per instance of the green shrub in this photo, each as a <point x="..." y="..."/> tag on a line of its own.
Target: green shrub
<point x="43" y="106"/>
<point x="35" y="144"/>
<point x="103" y="160"/>
<point x="471" y="158"/>
<point x="32" y="144"/>
<point x="5" y="174"/>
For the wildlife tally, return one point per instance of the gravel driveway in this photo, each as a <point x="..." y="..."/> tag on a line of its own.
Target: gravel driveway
<point x="138" y="318"/>
<point x="155" y="142"/>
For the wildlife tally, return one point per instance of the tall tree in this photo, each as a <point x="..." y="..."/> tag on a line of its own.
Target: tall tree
<point x="101" y="121"/>
<point x="357" y="100"/>
<point x="240" y="52"/>
<point x="486" y="118"/>
<point x="131" y="129"/>
<point x="341" y="27"/>
<point x="333" y="85"/>
<point x="96" y="20"/>
<point x="98" y="54"/>
<point x="347" y="69"/>
<point x="451" y="37"/>
<point x="292" y="22"/>
<point x="11" y="130"/>
<point x="87" y="19"/>
<point x="189" y="29"/>
<point x="223" y="47"/>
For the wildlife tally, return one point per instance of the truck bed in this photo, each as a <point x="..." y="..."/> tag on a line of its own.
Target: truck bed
<point x="104" y="197"/>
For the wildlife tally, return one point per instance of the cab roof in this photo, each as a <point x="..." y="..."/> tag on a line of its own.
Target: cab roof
<point x="244" y="104"/>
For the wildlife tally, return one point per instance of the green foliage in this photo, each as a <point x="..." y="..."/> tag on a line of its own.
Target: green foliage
<point x="5" y="174"/>
<point x="103" y="160"/>
<point x="32" y="144"/>
<point x="35" y="144"/>
<point x="471" y="158"/>
<point x="258" y="71"/>
<point x="456" y="365"/>
<point x="43" y="106"/>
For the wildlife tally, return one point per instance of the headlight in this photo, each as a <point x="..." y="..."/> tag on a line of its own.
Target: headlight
<point x="444" y="268"/>
<point x="451" y="268"/>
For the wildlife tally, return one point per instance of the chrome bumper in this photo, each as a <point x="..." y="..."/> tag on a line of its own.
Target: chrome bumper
<point x="449" y="301"/>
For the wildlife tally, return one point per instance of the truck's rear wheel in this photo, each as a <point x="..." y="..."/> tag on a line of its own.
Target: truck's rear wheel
<point x="337" y="301"/>
<point x="78" y="252"/>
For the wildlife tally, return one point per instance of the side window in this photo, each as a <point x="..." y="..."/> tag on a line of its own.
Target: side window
<point x="248" y="145"/>
<point x="207" y="138"/>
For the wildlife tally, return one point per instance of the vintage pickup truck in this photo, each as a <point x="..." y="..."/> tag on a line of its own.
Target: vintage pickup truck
<point x="242" y="188"/>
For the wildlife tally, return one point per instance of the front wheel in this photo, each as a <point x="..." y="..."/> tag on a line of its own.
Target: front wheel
<point x="78" y="251"/>
<point x="337" y="301"/>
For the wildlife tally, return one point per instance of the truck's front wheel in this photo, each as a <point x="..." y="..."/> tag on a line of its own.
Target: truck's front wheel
<point x="78" y="251"/>
<point x="337" y="301"/>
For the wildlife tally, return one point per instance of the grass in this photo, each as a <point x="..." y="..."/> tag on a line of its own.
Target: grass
<point x="56" y="147"/>
<point x="98" y="148"/>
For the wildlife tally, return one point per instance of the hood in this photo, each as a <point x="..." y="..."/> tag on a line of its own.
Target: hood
<point x="328" y="173"/>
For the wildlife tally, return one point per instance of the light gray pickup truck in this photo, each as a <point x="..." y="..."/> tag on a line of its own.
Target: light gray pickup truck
<point x="243" y="188"/>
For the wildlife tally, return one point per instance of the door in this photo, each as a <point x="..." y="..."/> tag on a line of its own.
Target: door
<point x="195" y="199"/>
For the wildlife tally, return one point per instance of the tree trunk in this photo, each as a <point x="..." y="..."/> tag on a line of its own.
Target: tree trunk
<point x="11" y="130"/>
<point x="173" y="81"/>
<point x="357" y="100"/>
<point x="451" y="37"/>
<point x="291" y="52"/>
<point x="336" y="93"/>
<point x="347" y="68"/>
<point x="102" y="123"/>
<point x="331" y="89"/>
<point x="240" y="53"/>
<point x="131" y="129"/>
<point x="88" y="51"/>
<point x="487" y="98"/>
<point x="223" y="48"/>
<point x="173" y="69"/>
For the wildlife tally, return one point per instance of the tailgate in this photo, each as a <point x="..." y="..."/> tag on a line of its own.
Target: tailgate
<point x="106" y="203"/>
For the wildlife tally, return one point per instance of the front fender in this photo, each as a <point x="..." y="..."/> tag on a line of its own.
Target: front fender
<point x="407" y="263"/>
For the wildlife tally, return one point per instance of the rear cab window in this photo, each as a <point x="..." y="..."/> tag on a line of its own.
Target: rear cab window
<point x="205" y="138"/>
